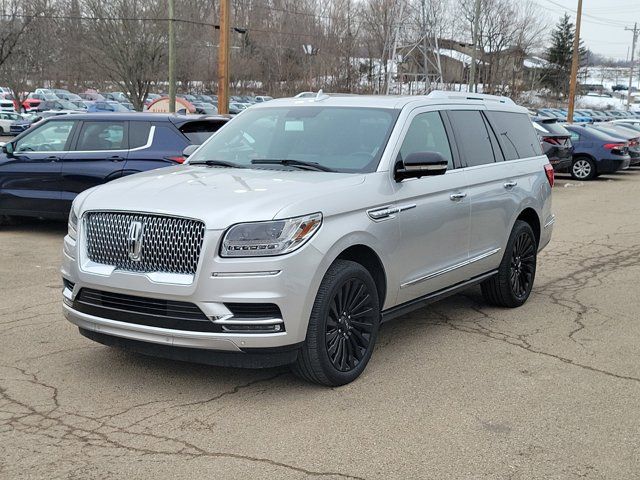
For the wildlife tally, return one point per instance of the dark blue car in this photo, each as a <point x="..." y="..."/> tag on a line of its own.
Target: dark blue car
<point x="596" y="152"/>
<point x="44" y="168"/>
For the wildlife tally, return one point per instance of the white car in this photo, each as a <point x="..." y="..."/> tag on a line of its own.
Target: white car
<point x="6" y="119"/>
<point x="6" y="105"/>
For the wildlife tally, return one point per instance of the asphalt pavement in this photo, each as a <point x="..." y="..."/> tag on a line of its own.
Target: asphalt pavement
<point x="458" y="390"/>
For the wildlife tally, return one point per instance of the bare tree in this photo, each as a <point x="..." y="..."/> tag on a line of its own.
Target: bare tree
<point x="128" y="43"/>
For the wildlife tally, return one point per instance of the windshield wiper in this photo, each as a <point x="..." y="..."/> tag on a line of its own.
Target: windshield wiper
<point x="216" y="163"/>
<point x="292" y="163"/>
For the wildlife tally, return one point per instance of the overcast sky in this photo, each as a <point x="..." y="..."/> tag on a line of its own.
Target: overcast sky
<point x="603" y="23"/>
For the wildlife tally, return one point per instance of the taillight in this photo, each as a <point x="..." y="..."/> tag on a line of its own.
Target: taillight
<point x="551" y="140"/>
<point x="614" y="146"/>
<point x="548" y="170"/>
<point x="176" y="159"/>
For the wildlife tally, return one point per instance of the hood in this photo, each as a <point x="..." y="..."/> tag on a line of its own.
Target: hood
<point x="219" y="196"/>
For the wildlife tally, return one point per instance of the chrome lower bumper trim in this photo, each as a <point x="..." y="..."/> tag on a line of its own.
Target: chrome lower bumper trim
<point x="176" y="338"/>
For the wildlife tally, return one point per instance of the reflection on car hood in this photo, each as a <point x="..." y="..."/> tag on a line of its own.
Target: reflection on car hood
<point x="219" y="196"/>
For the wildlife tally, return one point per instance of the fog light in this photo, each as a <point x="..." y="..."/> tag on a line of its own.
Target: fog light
<point x="253" y="328"/>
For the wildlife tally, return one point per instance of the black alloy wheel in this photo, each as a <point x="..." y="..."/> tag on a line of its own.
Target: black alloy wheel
<point x="343" y="326"/>
<point x="350" y="322"/>
<point x="523" y="264"/>
<point x="513" y="282"/>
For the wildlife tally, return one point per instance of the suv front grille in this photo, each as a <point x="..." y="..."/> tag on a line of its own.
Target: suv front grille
<point x="167" y="244"/>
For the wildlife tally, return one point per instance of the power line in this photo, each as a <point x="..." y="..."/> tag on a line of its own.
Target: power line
<point x="177" y="20"/>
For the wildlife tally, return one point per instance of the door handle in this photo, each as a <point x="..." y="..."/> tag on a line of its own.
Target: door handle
<point x="457" y="196"/>
<point x="53" y="158"/>
<point x="116" y="159"/>
<point x="510" y="184"/>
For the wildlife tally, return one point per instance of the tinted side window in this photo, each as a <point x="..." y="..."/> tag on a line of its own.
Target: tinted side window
<point x="472" y="137"/>
<point x="102" y="136"/>
<point x="138" y="133"/>
<point x="516" y="134"/>
<point x="426" y="134"/>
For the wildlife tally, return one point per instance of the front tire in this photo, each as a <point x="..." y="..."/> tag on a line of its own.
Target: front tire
<point x="512" y="285"/>
<point x="583" y="168"/>
<point x="342" y="328"/>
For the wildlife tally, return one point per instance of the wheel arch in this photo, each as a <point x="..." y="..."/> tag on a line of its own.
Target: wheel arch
<point x="369" y="259"/>
<point x="530" y="216"/>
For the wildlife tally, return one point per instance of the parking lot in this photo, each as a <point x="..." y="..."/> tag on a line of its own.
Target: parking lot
<point x="456" y="390"/>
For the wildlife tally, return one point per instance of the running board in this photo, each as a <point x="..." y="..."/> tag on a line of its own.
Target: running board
<point x="411" y="305"/>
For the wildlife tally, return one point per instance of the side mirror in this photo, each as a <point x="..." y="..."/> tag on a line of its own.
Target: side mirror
<point x="421" y="164"/>
<point x="8" y="149"/>
<point x="188" y="150"/>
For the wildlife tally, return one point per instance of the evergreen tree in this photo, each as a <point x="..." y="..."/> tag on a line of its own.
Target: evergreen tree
<point x="560" y="55"/>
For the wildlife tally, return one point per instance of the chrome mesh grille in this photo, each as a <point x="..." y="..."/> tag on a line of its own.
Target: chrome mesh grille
<point x="169" y="244"/>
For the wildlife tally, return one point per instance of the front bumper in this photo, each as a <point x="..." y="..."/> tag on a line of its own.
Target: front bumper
<point x="288" y="281"/>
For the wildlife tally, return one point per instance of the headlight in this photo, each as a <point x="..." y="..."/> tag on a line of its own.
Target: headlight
<point x="72" y="225"/>
<point x="275" y="237"/>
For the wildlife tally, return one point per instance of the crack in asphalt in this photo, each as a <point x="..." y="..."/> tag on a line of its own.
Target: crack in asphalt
<point x="41" y="422"/>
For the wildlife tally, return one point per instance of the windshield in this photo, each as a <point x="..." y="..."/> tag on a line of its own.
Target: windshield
<point x="344" y="139"/>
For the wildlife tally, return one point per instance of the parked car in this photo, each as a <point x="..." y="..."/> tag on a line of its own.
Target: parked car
<point x="80" y="104"/>
<point x="46" y="93"/>
<point x="577" y="117"/>
<point x="57" y="105"/>
<point x="91" y="96"/>
<point x="205" y="108"/>
<point x="619" y="87"/>
<point x="23" y="123"/>
<point x="6" y="120"/>
<point x="300" y="226"/>
<point x="107" y="106"/>
<point x="117" y="96"/>
<point x="44" y="168"/>
<point x="629" y="135"/>
<point x="555" y="141"/>
<point x="7" y="104"/>
<point x="594" y="115"/>
<point x="596" y="152"/>
<point x="151" y="97"/>
<point x="207" y="98"/>
<point x="545" y="112"/>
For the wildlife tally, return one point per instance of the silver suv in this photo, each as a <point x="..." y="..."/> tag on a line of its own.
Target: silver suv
<point x="299" y="227"/>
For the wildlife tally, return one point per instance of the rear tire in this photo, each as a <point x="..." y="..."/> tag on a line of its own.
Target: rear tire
<point x="342" y="328"/>
<point x="512" y="285"/>
<point x="583" y="168"/>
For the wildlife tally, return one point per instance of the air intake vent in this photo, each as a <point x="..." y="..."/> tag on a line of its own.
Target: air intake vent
<point x="152" y="312"/>
<point x="254" y="310"/>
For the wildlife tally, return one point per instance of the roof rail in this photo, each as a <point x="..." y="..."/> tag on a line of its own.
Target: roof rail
<point x="442" y="94"/>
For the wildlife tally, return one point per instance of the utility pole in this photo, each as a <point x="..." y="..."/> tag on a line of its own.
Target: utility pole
<point x="223" y="58"/>
<point x="425" y="58"/>
<point x="574" y="65"/>
<point x="474" y="35"/>
<point x="172" y="59"/>
<point x="633" y="49"/>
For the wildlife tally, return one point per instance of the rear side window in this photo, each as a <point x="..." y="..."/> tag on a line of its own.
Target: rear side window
<point x="197" y="132"/>
<point x="472" y="137"/>
<point x="96" y="136"/>
<point x="138" y="133"/>
<point x="516" y="134"/>
<point x="426" y="134"/>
